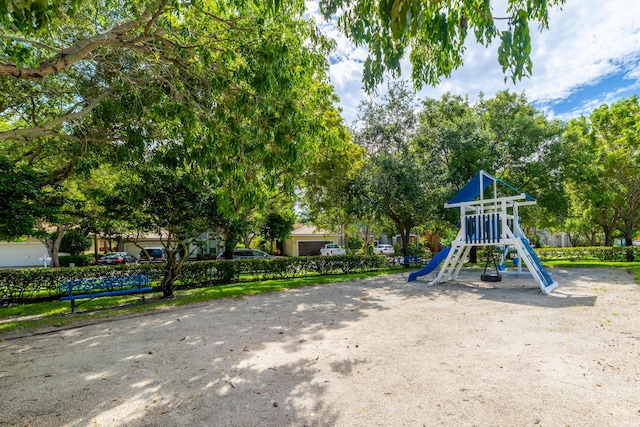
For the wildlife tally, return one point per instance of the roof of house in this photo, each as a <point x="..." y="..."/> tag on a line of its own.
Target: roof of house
<point x="310" y="230"/>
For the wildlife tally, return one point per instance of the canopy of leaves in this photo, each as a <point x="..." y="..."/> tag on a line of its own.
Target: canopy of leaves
<point x="277" y="227"/>
<point x="20" y="194"/>
<point x="75" y="242"/>
<point x="503" y="135"/>
<point x="434" y="33"/>
<point x="398" y="182"/>
<point x="603" y="169"/>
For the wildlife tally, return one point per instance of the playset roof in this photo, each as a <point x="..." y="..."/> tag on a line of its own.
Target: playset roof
<point x="477" y="185"/>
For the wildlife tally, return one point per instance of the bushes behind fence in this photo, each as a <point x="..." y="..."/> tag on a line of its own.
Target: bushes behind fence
<point x="601" y="253"/>
<point x="17" y="286"/>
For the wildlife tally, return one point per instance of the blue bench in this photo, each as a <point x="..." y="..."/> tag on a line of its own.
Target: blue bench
<point x="103" y="287"/>
<point x="410" y="260"/>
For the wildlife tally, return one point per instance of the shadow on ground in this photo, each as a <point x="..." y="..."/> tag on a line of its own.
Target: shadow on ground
<point x="255" y="361"/>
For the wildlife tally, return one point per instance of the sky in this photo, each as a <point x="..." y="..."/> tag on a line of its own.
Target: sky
<point x="589" y="56"/>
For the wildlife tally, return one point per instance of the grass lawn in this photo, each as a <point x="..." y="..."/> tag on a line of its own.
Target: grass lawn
<point x="45" y="315"/>
<point x="633" y="267"/>
<point x="56" y="314"/>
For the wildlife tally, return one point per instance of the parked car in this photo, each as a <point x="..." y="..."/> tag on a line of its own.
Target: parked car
<point x="636" y="243"/>
<point x="331" y="249"/>
<point x="384" y="250"/>
<point x="246" y="253"/>
<point x="155" y="255"/>
<point x="117" y="258"/>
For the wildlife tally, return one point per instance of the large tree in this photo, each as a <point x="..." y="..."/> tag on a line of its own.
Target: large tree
<point x="503" y="135"/>
<point x="176" y="205"/>
<point x="604" y="166"/>
<point x="526" y="150"/>
<point x="326" y="186"/>
<point x="221" y="86"/>
<point x="399" y="181"/>
<point x="104" y="73"/>
<point x="617" y="132"/>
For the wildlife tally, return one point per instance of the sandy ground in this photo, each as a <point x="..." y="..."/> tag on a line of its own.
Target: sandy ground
<point x="376" y="352"/>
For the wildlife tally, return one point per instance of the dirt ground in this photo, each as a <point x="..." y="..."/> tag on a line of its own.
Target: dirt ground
<point x="375" y="352"/>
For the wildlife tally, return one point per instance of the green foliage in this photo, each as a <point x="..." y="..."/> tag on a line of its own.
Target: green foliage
<point x="277" y="228"/>
<point x="605" y="194"/>
<point x="76" y="260"/>
<point x="435" y="32"/>
<point x="75" y="242"/>
<point x="18" y="286"/>
<point x="503" y="135"/>
<point x="601" y="253"/>
<point x="400" y="184"/>
<point x="355" y="242"/>
<point x="20" y="194"/>
<point x="174" y="204"/>
<point x="35" y="16"/>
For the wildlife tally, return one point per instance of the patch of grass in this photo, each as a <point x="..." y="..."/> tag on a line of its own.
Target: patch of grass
<point x="635" y="270"/>
<point x="586" y="263"/>
<point x="633" y="267"/>
<point x="56" y="314"/>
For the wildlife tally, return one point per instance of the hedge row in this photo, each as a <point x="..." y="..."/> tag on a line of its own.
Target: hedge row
<point x="24" y="285"/>
<point x="601" y="253"/>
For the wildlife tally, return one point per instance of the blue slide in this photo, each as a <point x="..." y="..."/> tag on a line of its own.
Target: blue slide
<point x="433" y="264"/>
<point x="542" y="272"/>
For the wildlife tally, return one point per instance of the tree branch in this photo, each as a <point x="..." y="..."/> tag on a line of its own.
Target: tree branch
<point x="81" y="49"/>
<point x="25" y="134"/>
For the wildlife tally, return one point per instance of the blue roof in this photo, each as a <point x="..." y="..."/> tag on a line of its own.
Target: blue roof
<point x="472" y="189"/>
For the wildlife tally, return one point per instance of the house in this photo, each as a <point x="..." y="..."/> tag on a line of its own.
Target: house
<point x="306" y="240"/>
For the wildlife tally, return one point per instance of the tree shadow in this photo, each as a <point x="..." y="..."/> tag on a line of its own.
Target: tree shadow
<point x="513" y="289"/>
<point x="235" y="362"/>
<point x="267" y="359"/>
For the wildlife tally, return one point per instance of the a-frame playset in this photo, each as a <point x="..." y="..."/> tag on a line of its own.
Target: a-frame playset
<point x="487" y="219"/>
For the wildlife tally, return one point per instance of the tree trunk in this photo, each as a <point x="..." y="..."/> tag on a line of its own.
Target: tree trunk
<point x="167" y="282"/>
<point x="346" y="238"/>
<point x="608" y="237"/>
<point x="55" y="248"/>
<point x="367" y="238"/>
<point x="52" y="245"/>
<point x="95" y="247"/>
<point x="628" y="239"/>
<point x="247" y="238"/>
<point x="473" y="255"/>
<point x="171" y="272"/>
<point x="404" y="237"/>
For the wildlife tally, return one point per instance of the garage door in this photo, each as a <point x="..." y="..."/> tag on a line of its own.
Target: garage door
<point x="21" y="254"/>
<point x="310" y="248"/>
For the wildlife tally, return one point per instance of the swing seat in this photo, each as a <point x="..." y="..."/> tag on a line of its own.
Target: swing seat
<point x="491" y="278"/>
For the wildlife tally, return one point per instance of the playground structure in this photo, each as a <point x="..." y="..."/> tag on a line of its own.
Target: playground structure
<point x="487" y="219"/>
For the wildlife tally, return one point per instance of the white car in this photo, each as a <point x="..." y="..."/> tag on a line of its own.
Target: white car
<point x="384" y="250"/>
<point x="331" y="249"/>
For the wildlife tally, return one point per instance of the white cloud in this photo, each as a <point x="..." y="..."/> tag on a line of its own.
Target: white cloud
<point x="587" y="41"/>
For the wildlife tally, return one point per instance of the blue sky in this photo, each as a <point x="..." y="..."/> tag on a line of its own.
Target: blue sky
<point x="590" y="55"/>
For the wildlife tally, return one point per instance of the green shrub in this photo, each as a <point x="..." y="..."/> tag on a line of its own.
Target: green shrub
<point x="22" y="285"/>
<point x="602" y="253"/>
<point x="17" y="286"/>
<point x="75" y="242"/>
<point x="77" y="260"/>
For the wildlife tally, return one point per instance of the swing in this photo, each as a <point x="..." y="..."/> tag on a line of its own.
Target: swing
<point x="491" y="276"/>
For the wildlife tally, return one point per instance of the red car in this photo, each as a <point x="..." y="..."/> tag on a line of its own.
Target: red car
<point x="117" y="258"/>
